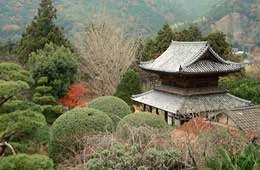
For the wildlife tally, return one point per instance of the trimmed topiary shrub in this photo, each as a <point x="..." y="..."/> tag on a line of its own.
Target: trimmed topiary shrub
<point x="72" y="126"/>
<point x="115" y="107"/>
<point x="143" y="119"/>
<point x="129" y="85"/>
<point x="26" y="162"/>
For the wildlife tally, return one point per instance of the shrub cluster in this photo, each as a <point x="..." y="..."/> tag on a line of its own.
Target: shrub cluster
<point x="134" y="156"/>
<point x="115" y="107"/>
<point x="73" y="125"/>
<point x="143" y="119"/>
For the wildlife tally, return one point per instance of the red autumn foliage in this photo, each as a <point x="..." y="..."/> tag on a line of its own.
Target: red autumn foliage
<point x="73" y="97"/>
<point x="195" y="126"/>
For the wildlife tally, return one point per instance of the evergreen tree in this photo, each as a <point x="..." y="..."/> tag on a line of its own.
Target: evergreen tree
<point x="164" y="38"/>
<point x="42" y="30"/>
<point x="42" y="96"/>
<point x="13" y="80"/>
<point x="191" y="34"/>
<point x="149" y="50"/>
<point x="59" y="64"/>
<point x="128" y="86"/>
<point x="217" y="41"/>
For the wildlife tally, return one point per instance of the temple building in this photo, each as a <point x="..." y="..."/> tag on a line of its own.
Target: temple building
<point x="189" y="74"/>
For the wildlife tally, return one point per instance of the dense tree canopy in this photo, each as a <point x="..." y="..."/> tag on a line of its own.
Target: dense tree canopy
<point x="245" y="87"/>
<point x="59" y="64"/>
<point x="12" y="81"/>
<point x="191" y="34"/>
<point x="41" y="31"/>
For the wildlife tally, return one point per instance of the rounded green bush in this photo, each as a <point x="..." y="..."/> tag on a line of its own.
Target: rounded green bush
<point x="115" y="107"/>
<point x="142" y="119"/>
<point x="73" y="125"/>
<point x="26" y="162"/>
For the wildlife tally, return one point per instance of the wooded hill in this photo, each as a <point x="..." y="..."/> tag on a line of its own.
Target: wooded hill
<point x="147" y="15"/>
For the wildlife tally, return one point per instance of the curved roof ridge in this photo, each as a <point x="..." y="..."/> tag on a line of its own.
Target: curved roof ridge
<point x="197" y="56"/>
<point x="190" y="42"/>
<point x="217" y="56"/>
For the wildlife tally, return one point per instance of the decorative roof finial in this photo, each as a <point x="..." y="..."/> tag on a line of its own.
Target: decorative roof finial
<point x="180" y="69"/>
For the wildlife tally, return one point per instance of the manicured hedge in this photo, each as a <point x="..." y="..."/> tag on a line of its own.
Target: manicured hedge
<point x="143" y="119"/>
<point x="26" y="162"/>
<point x="113" y="106"/>
<point x="73" y="125"/>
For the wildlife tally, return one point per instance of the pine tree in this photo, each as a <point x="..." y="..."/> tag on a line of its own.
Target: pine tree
<point x="149" y="50"/>
<point x="42" y="30"/>
<point x="164" y="38"/>
<point x="51" y="108"/>
<point x="13" y="80"/>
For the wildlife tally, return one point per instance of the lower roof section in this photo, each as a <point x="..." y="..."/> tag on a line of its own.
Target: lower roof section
<point x="190" y="104"/>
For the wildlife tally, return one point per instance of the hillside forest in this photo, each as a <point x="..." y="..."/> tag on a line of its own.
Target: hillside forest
<point x="66" y="82"/>
<point x="145" y="17"/>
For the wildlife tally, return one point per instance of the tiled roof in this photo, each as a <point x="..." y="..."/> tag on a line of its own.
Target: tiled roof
<point x="246" y="118"/>
<point x="206" y="66"/>
<point x="184" y="57"/>
<point x="190" y="104"/>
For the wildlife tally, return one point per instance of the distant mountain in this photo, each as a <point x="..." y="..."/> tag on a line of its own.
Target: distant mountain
<point x="147" y="16"/>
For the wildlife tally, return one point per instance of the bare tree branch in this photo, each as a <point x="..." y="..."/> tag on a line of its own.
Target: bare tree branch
<point x="107" y="54"/>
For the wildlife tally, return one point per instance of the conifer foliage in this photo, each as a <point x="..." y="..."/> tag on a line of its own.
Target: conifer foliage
<point x="149" y="50"/>
<point x="164" y="38"/>
<point x="128" y="86"/>
<point x="42" y="30"/>
<point x="13" y="80"/>
<point x="73" y="97"/>
<point x="43" y="97"/>
<point x="59" y="64"/>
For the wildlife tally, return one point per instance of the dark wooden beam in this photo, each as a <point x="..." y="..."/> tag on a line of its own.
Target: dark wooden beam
<point x="157" y="111"/>
<point x="144" y="107"/>
<point x="151" y="109"/>
<point x="166" y="116"/>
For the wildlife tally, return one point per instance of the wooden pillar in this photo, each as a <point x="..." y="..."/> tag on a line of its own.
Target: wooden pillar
<point x="151" y="109"/>
<point x="166" y="116"/>
<point x="144" y="107"/>
<point x="157" y="111"/>
<point x="227" y="119"/>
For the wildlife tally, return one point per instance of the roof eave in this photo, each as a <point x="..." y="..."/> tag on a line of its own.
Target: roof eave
<point x="191" y="73"/>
